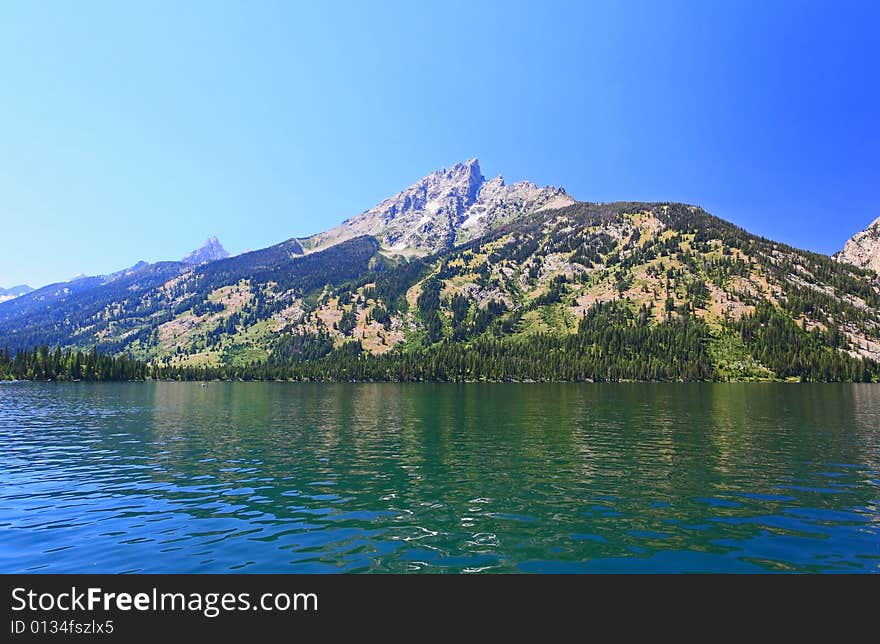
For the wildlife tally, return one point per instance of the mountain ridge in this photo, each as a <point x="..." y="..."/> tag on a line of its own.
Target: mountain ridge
<point x="14" y="291"/>
<point x="586" y="291"/>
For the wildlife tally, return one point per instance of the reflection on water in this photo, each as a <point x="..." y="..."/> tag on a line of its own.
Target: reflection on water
<point x="284" y="477"/>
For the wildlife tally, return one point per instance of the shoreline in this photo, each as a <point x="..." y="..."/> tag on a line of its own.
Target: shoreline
<point x="456" y="382"/>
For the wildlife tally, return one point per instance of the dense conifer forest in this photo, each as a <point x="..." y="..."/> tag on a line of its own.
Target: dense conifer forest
<point x="611" y="344"/>
<point x="56" y="364"/>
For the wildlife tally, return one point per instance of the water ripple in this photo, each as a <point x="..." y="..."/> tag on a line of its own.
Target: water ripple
<point x="277" y="477"/>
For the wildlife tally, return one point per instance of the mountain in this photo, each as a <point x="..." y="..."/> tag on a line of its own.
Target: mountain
<point x="210" y="251"/>
<point x="499" y="282"/>
<point x="49" y="305"/>
<point x="864" y="248"/>
<point x="14" y="292"/>
<point x="447" y="207"/>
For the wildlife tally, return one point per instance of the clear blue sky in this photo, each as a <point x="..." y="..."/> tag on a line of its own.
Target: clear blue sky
<point x="134" y="130"/>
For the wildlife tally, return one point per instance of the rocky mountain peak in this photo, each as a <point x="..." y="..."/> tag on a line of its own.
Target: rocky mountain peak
<point x="863" y="249"/>
<point x="210" y="251"/>
<point x="444" y="208"/>
<point x="468" y="175"/>
<point x="441" y="190"/>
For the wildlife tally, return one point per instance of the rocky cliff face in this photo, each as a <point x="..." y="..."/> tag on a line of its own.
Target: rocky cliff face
<point x="446" y="207"/>
<point x="212" y="250"/>
<point x="864" y="248"/>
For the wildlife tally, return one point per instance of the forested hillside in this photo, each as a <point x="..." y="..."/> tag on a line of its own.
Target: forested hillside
<point x="620" y="291"/>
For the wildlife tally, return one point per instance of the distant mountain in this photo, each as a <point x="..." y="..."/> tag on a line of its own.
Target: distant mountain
<point x="460" y="278"/>
<point x="82" y="288"/>
<point x="210" y="251"/>
<point x="13" y="292"/>
<point x="864" y="248"/>
<point x="138" y="266"/>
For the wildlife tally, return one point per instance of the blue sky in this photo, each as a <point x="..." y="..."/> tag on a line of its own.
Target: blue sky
<point x="134" y="130"/>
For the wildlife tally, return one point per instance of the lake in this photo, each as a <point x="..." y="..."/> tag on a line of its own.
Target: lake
<point x="292" y="477"/>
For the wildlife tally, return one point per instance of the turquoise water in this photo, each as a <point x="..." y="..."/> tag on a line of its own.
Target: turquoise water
<point x="288" y="477"/>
